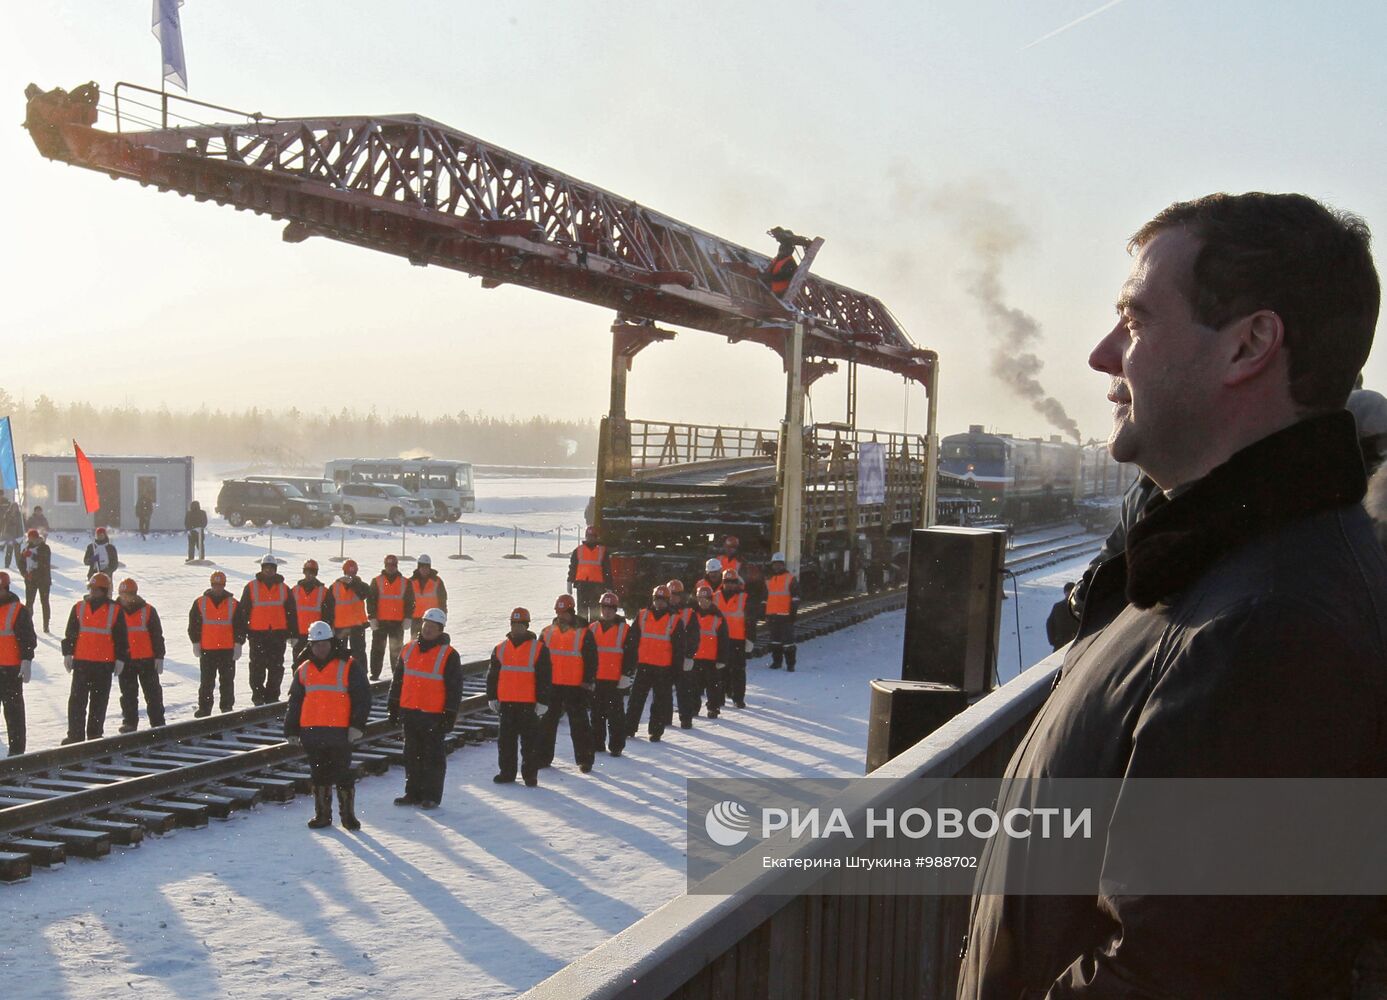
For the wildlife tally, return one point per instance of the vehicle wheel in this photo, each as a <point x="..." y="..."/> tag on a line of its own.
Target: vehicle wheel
<point x="348" y="515"/>
<point x="296" y="520"/>
<point x="235" y="519"/>
<point x="260" y="522"/>
<point x="397" y="517"/>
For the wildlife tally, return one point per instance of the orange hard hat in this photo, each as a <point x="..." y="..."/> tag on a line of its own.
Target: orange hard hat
<point x="564" y="602"/>
<point x="660" y="593"/>
<point x="520" y="615"/>
<point x="129" y="586"/>
<point x="609" y="599"/>
<point x="219" y="578"/>
<point x="675" y="587"/>
<point x="101" y="581"/>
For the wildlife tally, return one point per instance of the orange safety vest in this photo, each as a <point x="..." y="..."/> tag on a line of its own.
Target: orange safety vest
<point x="424" y="599"/>
<point x="9" y="642"/>
<point x="656" y="648"/>
<point x="732" y="563"/>
<point x="735" y="613"/>
<point x="611" y="650"/>
<point x="782" y="270"/>
<point x="348" y="609"/>
<point x="308" y="607"/>
<point x="589" y="563"/>
<point x="423" y="687"/>
<point x="778" y="594"/>
<point x="96" y="642"/>
<point x="217" y="632"/>
<point x="565" y="654"/>
<point x="267" y="612"/>
<point x="327" y="698"/>
<point x="517" y="680"/>
<point x="685" y="613"/>
<point x="137" y="632"/>
<point x="707" y="636"/>
<point x="390" y="599"/>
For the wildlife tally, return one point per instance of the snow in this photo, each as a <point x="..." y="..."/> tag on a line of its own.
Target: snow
<point x="486" y="896"/>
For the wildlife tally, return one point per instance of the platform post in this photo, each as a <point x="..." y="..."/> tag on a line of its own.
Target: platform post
<point x="931" y="500"/>
<point x="614" y="435"/>
<point x="790" y="463"/>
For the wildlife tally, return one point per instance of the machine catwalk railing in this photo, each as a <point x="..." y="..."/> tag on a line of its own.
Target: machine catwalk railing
<point x="657" y="444"/>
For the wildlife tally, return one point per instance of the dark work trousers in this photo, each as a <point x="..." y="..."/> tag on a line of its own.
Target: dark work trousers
<point x="266" y="666"/>
<point x="354" y="641"/>
<point x="329" y="755"/>
<point x="586" y="596"/>
<point x="12" y="549"/>
<point x="41" y="592"/>
<point x="573" y="700"/>
<point x="136" y="675"/>
<point x="218" y="665"/>
<point x="686" y="690"/>
<point x="300" y="650"/>
<point x="144" y="524"/>
<point x="608" y="717"/>
<point x="754" y="614"/>
<point x="782" y="640"/>
<point x="87" y="700"/>
<point x="519" y="725"/>
<point x="12" y="698"/>
<point x="426" y="760"/>
<point x="392" y="632"/>
<point x="197" y="545"/>
<point x="658" y="682"/>
<point x="708" y="685"/>
<point x="734" y="675"/>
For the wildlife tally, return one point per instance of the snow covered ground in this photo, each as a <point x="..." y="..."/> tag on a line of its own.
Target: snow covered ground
<point x="483" y="898"/>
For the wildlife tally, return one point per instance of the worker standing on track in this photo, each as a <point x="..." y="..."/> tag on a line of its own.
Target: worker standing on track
<point x="101" y="555"/>
<point x="684" y="674"/>
<point x="349" y="615"/>
<point x="389" y="602"/>
<point x="195" y="524"/>
<point x="312" y="603"/>
<point x="589" y="573"/>
<point x="94" y="650"/>
<point x="731" y="601"/>
<point x="217" y="634"/>
<point x="266" y="611"/>
<point x="657" y="637"/>
<point x="610" y="658"/>
<point x="782" y="605"/>
<point x="426" y="591"/>
<point x="329" y="704"/>
<point x="36" y="565"/>
<point x="424" y="697"/>
<point x="572" y="683"/>
<point x="517" y="681"/>
<point x="705" y="658"/>
<point x="17" y="645"/>
<point x="144" y="635"/>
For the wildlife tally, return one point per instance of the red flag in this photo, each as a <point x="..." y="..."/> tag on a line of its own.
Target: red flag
<point x="86" y="475"/>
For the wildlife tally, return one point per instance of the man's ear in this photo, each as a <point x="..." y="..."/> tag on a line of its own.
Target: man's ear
<point x="1258" y="341"/>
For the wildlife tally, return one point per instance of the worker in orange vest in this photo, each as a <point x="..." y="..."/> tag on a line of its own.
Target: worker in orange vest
<point x="389" y="601"/>
<point x="705" y="656"/>
<point x="94" y="650"/>
<point x="782" y="605"/>
<point x="731" y="601"/>
<point x="349" y="615"/>
<point x="781" y="270"/>
<point x="217" y="634"/>
<point x="589" y="573"/>
<point x="517" y="682"/>
<point x="312" y="603"/>
<point x="426" y="591"/>
<point x="17" y="645"/>
<point x="145" y="640"/>
<point x="712" y="573"/>
<point x="572" y="684"/>
<point x="424" y="696"/>
<point x="658" y="638"/>
<point x="610" y="656"/>
<point x="329" y="705"/>
<point x="268" y="618"/>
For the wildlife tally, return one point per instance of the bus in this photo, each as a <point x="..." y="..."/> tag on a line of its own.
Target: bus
<point x="445" y="484"/>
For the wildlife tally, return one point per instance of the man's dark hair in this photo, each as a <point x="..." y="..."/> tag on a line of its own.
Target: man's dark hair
<point x="1309" y="264"/>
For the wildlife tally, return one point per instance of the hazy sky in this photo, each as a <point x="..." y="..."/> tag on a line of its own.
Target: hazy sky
<point x="899" y="132"/>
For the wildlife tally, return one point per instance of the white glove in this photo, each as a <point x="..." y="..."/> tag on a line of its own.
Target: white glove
<point x="494" y="705"/>
<point x="197" y="649"/>
<point x="293" y="741"/>
<point x="374" y="623"/>
<point x="67" y="662"/>
<point x="688" y="663"/>
<point x="25" y="670"/>
<point x="120" y="666"/>
<point x="354" y="734"/>
<point x="624" y="683"/>
<point x="158" y="666"/>
<point x="237" y="654"/>
<point x="721" y="665"/>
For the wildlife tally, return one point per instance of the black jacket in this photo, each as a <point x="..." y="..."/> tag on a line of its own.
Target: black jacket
<point x="676" y="635"/>
<point x="441" y="591"/>
<point x="580" y="626"/>
<point x="154" y="625"/>
<point x="1241" y="633"/>
<point x="324" y="610"/>
<point x="42" y="574"/>
<point x="357" y="586"/>
<point x="195" y="518"/>
<point x="238" y="625"/>
<point x="606" y="566"/>
<point x="89" y="559"/>
<point x="359" y="690"/>
<point x="23" y="626"/>
<point x="693" y="632"/>
<point x="38" y="520"/>
<point x="452" y="675"/>
<point x="243" y="609"/>
<point x="628" y="651"/>
<point x="74" y="628"/>
<point x="373" y="597"/>
<point x="543" y="670"/>
<point x="13" y="521"/>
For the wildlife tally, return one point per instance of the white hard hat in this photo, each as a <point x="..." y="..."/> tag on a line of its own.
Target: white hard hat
<point x="778" y="557"/>
<point x="424" y="560"/>
<point x="319" y="632"/>
<point x="436" y="615"/>
<point x="712" y="565"/>
<point x="269" y="561"/>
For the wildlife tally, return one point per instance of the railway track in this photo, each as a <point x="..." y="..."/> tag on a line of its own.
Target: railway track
<point x="84" y="799"/>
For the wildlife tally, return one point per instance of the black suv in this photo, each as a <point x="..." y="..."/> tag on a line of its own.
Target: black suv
<point x="260" y="503"/>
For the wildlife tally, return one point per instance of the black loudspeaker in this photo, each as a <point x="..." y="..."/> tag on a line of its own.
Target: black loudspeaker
<point x="954" y="606"/>
<point x="904" y="713"/>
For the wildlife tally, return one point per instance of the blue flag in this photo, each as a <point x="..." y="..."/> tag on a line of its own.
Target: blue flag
<point x="9" y="475"/>
<point x="168" y="28"/>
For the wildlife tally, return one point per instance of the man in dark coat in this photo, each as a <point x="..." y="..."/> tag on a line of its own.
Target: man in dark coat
<point x="1241" y="632"/>
<point x="101" y="555"/>
<point x="36" y="563"/>
<point x="424" y="696"/>
<point x="13" y="531"/>
<point x="195" y="523"/>
<point x="17" y="646"/>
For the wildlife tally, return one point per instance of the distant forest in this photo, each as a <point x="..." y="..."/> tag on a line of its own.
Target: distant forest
<point x="293" y="438"/>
